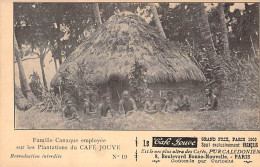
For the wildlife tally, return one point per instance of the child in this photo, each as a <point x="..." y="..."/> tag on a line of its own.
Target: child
<point x="170" y="105"/>
<point x="161" y="106"/>
<point x="150" y="105"/>
<point x="212" y="103"/>
<point x="105" y="108"/>
<point x="70" y="112"/>
<point x="183" y="103"/>
<point x="89" y="107"/>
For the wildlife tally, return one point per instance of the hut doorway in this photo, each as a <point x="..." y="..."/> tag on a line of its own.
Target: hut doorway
<point x="114" y="87"/>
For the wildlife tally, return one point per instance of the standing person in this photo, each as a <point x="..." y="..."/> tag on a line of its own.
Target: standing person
<point x="89" y="106"/>
<point x="183" y="103"/>
<point x="127" y="104"/>
<point x="105" y="107"/>
<point x="170" y="104"/>
<point x="212" y="102"/>
<point x="70" y="112"/>
<point x="151" y="105"/>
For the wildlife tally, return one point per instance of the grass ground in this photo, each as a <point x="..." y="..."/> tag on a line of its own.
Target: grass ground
<point x="236" y="119"/>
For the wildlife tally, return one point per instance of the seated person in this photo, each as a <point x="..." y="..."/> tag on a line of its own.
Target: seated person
<point x="161" y="106"/>
<point x="150" y="105"/>
<point x="105" y="107"/>
<point x="70" y="112"/>
<point x="212" y="103"/>
<point x="170" y="105"/>
<point x="183" y="103"/>
<point x="89" y="106"/>
<point x="127" y="104"/>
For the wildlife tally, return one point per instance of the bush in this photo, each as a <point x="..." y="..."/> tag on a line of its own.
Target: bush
<point x="138" y="82"/>
<point x="36" y="86"/>
<point x="242" y="85"/>
<point x="239" y="88"/>
<point x="51" y="102"/>
<point x="78" y="87"/>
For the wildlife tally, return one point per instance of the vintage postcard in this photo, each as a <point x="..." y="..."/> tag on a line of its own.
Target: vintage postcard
<point x="160" y="83"/>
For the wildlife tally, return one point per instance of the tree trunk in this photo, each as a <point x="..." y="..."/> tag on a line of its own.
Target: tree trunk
<point x="23" y="81"/>
<point x="157" y="20"/>
<point x="60" y="60"/>
<point x="224" y="31"/>
<point x="43" y="73"/>
<point x="20" y="101"/>
<point x="216" y="63"/>
<point x="58" y="51"/>
<point x="22" y="77"/>
<point x="55" y="63"/>
<point x="206" y="35"/>
<point x="97" y="14"/>
<point x="58" y="20"/>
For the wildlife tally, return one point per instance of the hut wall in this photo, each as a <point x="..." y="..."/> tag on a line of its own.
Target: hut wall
<point x="193" y="90"/>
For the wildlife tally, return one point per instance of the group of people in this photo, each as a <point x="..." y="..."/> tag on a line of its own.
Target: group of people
<point x="127" y="105"/>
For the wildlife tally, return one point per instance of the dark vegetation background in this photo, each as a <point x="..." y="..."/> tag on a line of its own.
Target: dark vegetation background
<point x="60" y="27"/>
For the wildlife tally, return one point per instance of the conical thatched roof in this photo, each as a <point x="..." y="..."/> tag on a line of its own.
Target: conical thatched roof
<point x="122" y="39"/>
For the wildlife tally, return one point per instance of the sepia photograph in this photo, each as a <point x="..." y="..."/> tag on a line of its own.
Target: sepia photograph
<point x="136" y="66"/>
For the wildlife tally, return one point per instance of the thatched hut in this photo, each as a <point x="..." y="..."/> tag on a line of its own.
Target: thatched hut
<point x="111" y="51"/>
